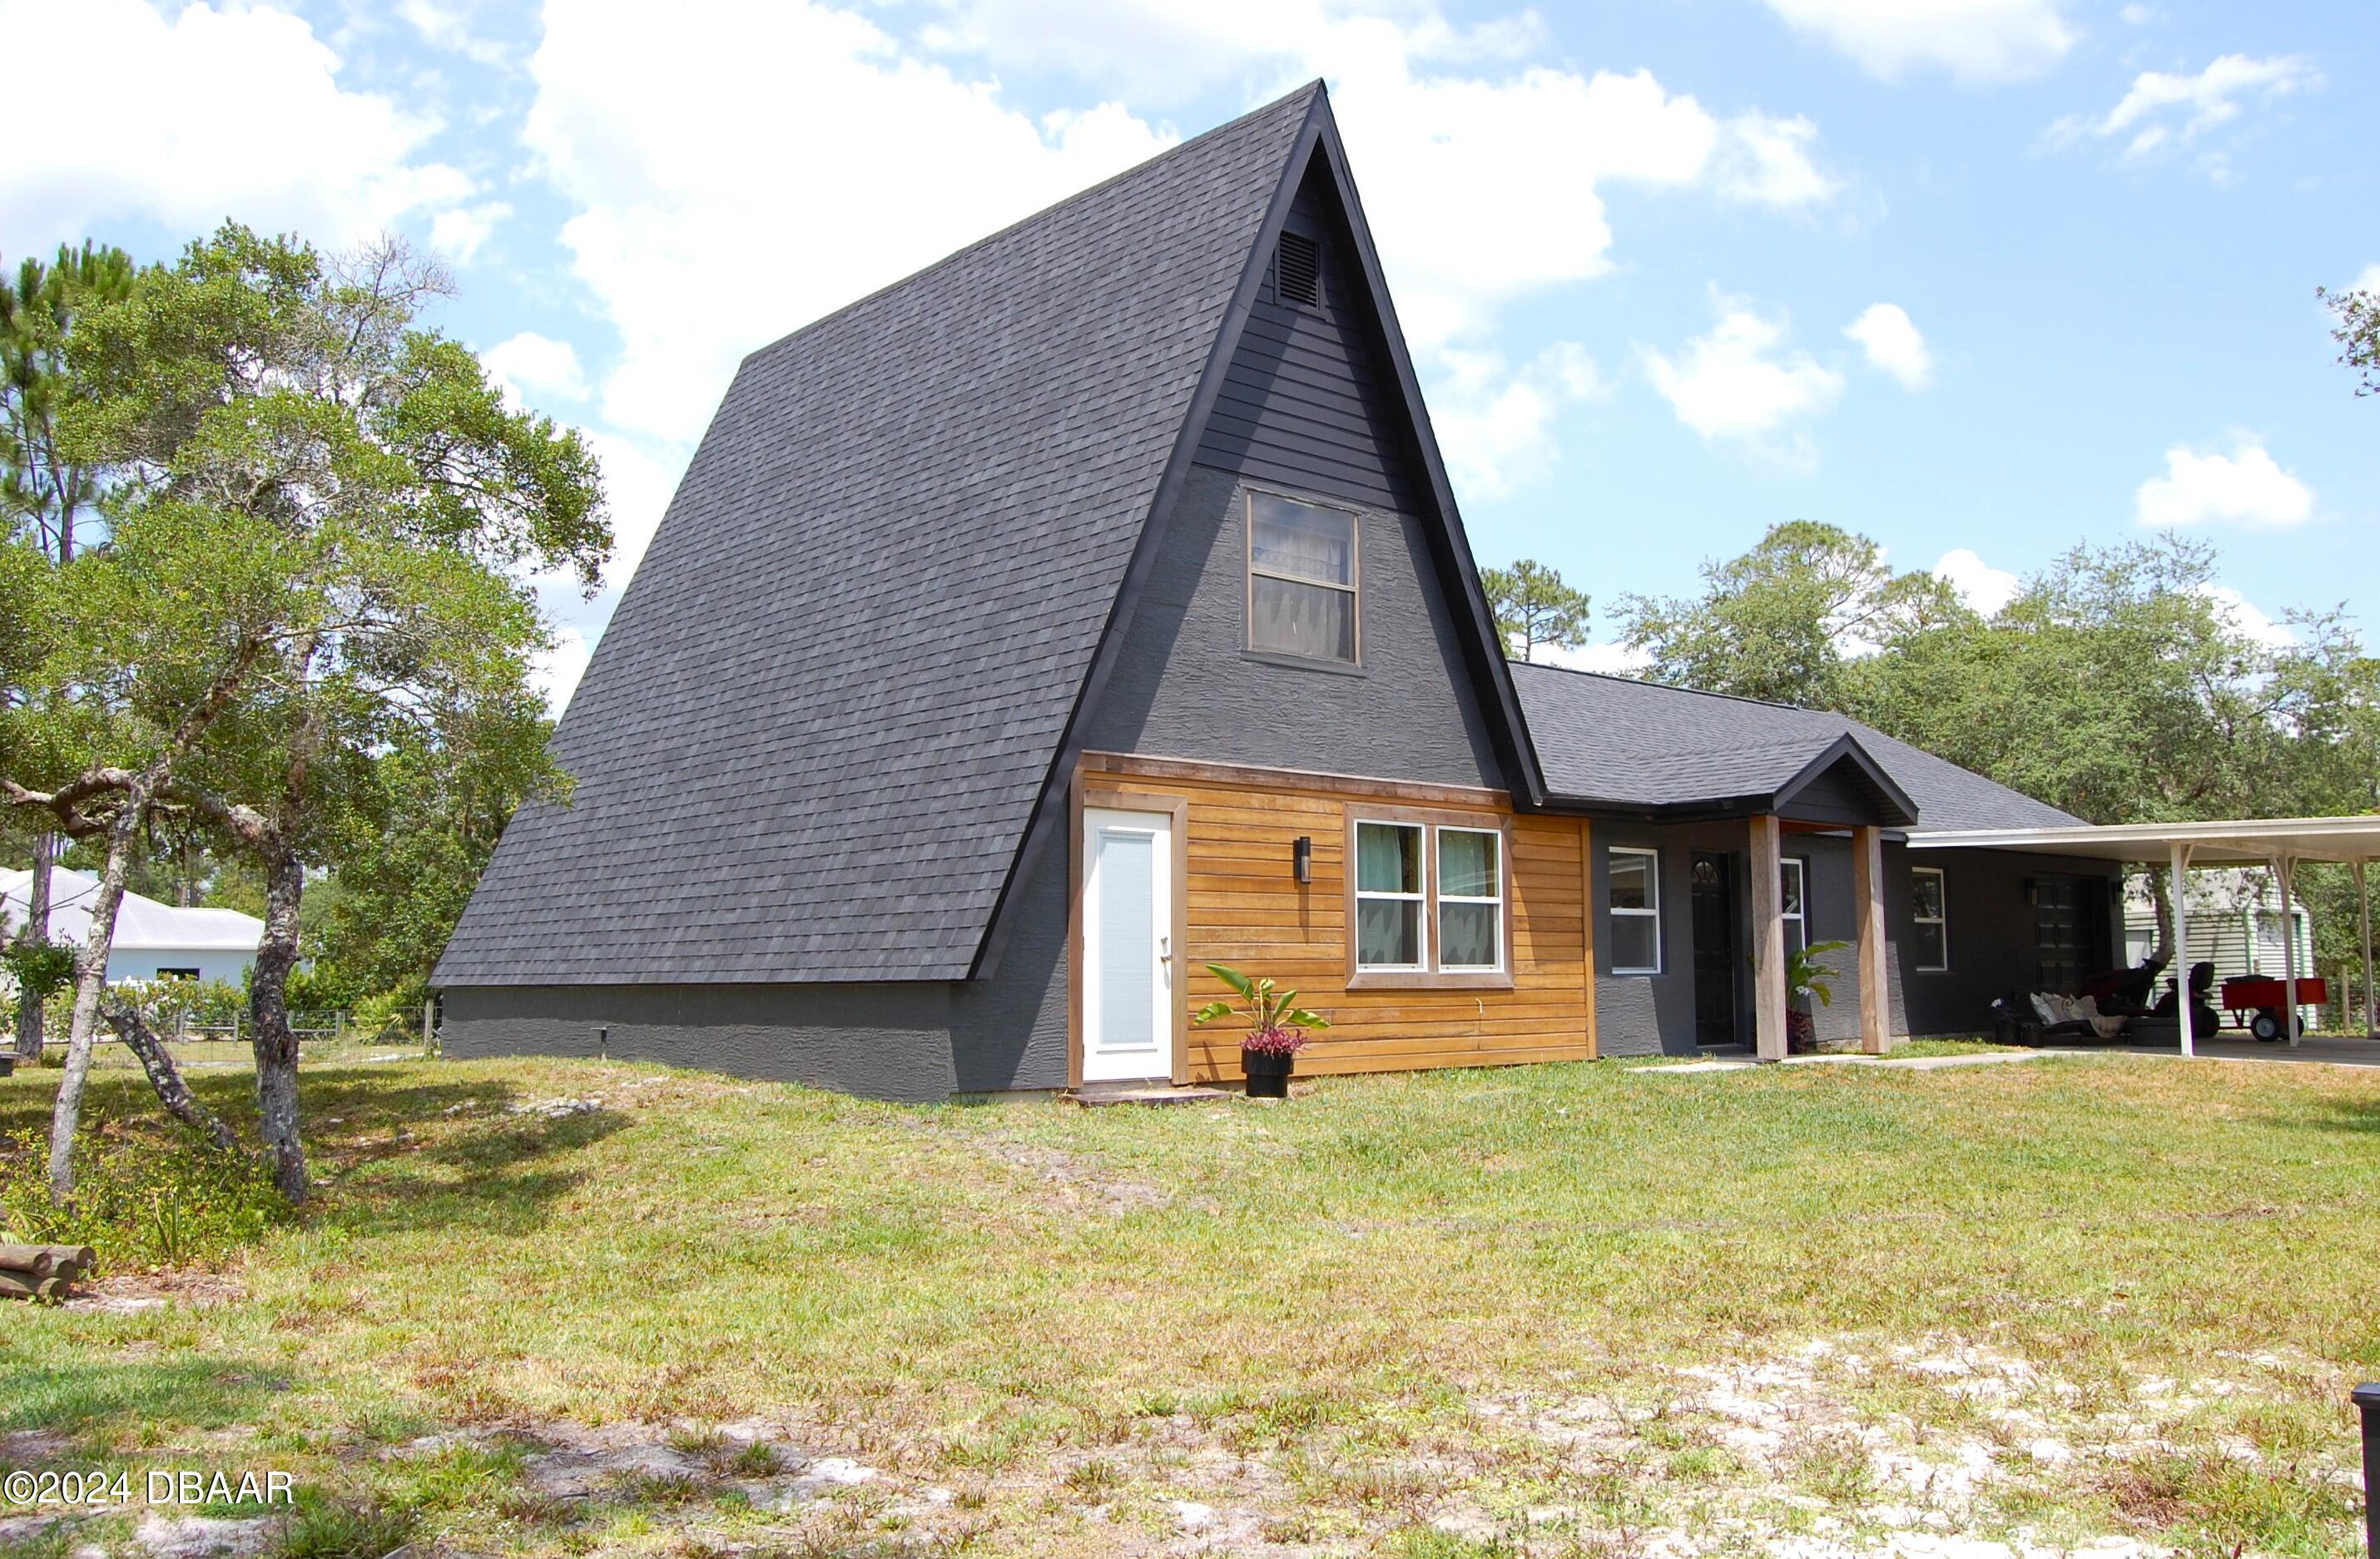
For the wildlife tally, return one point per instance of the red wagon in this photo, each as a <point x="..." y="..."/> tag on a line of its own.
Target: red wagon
<point x="2256" y="1002"/>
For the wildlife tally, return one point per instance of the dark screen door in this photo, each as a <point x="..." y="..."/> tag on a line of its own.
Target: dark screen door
<point x="2068" y="932"/>
<point x="1713" y="884"/>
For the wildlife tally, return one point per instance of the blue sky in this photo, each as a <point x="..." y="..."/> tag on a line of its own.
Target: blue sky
<point x="1979" y="278"/>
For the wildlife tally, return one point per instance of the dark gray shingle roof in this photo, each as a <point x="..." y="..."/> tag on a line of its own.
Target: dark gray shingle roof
<point x="812" y="738"/>
<point x="1638" y="743"/>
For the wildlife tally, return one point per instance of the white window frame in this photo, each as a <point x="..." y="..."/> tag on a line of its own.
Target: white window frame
<point x="1420" y="899"/>
<point x="1652" y="912"/>
<point x="1801" y="870"/>
<point x="1942" y="897"/>
<point x="1352" y="589"/>
<point x="1439" y="898"/>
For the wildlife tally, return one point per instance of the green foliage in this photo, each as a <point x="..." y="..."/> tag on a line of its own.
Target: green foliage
<point x="2358" y="334"/>
<point x="39" y="968"/>
<point x="1782" y="621"/>
<point x="45" y="487"/>
<point x="1806" y="975"/>
<point x="143" y="1198"/>
<point x="1259" y="1003"/>
<point x="1534" y="607"/>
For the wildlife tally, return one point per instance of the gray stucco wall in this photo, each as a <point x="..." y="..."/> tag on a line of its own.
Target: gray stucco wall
<point x="890" y="1041"/>
<point x="1991" y="936"/>
<point x="1991" y="931"/>
<point x="1187" y="687"/>
<point x="1650" y="1014"/>
<point x="1008" y="1027"/>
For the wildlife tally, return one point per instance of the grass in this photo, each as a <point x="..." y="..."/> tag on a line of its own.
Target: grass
<point x="1548" y="1310"/>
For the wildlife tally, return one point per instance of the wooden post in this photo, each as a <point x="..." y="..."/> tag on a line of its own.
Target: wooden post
<point x="1875" y="970"/>
<point x="1768" y="937"/>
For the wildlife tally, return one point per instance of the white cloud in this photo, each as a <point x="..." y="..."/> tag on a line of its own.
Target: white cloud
<point x="639" y="479"/>
<point x="1976" y="41"/>
<point x="2246" y="486"/>
<point x="1983" y="589"/>
<point x="444" y="27"/>
<point x="457" y="234"/>
<point x="1894" y="344"/>
<point x="555" y="673"/>
<point x="531" y="366"/>
<point x="2137" y="14"/>
<point x="2367" y="279"/>
<point x="234" y="112"/>
<point x="1735" y="382"/>
<point x="1767" y="160"/>
<point x="1455" y="131"/>
<point x="2164" y="110"/>
<point x="1495" y="425"/>
<point x="683" y="145"/>
<point x="2245" y="617"/>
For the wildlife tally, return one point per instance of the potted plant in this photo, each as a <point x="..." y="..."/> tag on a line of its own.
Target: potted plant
<point x="1276" y="1033"/>
<point x="1807" y="977"/>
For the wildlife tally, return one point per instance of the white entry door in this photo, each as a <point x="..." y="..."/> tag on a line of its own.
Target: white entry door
<point x="1127" y="944"/>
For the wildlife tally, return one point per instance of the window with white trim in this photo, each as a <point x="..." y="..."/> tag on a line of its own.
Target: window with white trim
<point x="1795" y="885"/>
<point x="1634" y="896"/>
<point x="1470" y="899"/>
<point x="1305" y="579"/>
<point x="1390" y="929"/>
<point x="1931" y="936"/>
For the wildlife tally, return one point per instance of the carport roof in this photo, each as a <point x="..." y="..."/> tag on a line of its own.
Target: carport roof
<point x="2234" y="841"/>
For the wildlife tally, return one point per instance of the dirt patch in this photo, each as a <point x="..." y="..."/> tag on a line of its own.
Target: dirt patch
<point x="128" y="1293"/>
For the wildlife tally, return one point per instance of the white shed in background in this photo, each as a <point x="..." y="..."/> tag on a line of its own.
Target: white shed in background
<point x="2235" y="923"/>
<point x="151" y="940"/>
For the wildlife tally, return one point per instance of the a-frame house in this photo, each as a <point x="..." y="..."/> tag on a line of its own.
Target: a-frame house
<point x="1091" y="607"/>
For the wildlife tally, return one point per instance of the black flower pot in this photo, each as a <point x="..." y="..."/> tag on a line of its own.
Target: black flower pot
<point x="1268" y="1072"/>
<point x="7" y="1065"/>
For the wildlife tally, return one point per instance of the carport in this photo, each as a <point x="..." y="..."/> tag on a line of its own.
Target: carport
<point x="2279" y="844"/>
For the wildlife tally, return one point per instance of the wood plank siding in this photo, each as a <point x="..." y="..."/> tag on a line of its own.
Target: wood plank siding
<point x="1245" y="908"/>
<point x="1305" y="400"/>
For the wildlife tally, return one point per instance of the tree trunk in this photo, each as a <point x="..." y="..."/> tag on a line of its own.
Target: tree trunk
<point x="90" y="983"/>
<point x="267" y="1006"/>
<point x="37" y="929"/>
<point x="164" y="1076"/>
<point x="2157" y="894"/>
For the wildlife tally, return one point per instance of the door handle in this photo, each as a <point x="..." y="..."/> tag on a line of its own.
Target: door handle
<point x="1165" y="949"/>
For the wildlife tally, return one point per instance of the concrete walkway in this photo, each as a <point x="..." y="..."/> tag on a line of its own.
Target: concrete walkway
<point x="2314" y="1050"/>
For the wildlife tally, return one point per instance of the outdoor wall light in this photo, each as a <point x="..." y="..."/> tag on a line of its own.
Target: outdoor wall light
<point x="1302" y="854"/>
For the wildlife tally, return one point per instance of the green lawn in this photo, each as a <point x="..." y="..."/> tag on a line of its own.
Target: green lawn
<point x="575" y="1308"/>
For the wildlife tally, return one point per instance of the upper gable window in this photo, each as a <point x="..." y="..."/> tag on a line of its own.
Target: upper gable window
<point x="1303" y="579"/>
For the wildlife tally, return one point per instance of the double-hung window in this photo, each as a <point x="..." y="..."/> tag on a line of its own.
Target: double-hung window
<point x="1392" y="928"/>
<point x="1426" y="900"/>
<point x="1305" y="578"/>
<point x="1635" y="897"/>
<point x="1933" y="928"/>
<point x="1470" y="899"/>
<point x="1793" y="882"/>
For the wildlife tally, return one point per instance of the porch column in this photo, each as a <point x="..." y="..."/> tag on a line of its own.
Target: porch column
<point x="1768" y="937"/>
<point x="2180" y="860"/>
<point x="1875" y="974"/>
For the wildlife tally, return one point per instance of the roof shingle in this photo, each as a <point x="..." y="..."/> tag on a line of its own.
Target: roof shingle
<point x="814" y="731"/>
<point x="1630" y="744"/>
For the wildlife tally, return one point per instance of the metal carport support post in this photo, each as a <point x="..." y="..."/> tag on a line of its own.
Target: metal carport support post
<point x="2364" y="940"/>
<point x="2285" y="873"/>
<point x="2180" y="853"/>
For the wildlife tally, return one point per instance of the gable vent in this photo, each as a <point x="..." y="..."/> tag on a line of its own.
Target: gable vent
<point x="1297" y="270"/>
